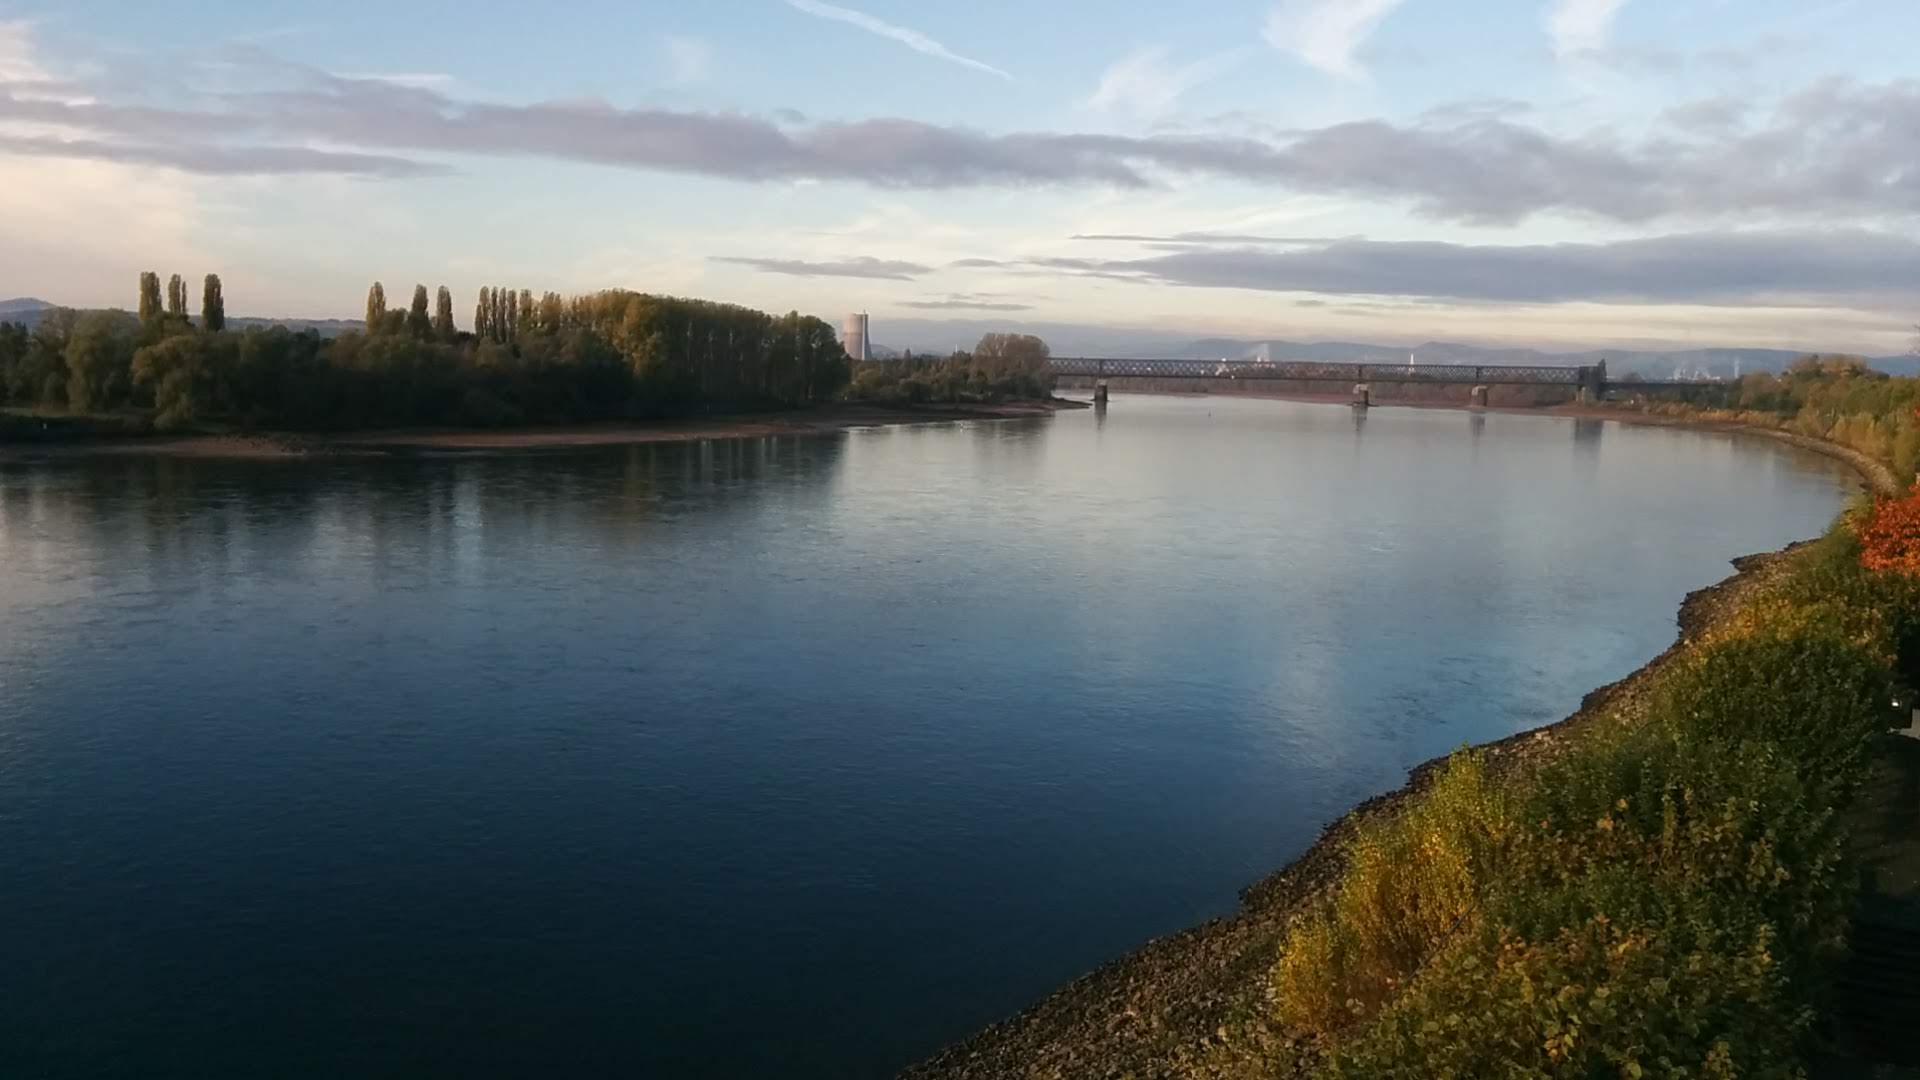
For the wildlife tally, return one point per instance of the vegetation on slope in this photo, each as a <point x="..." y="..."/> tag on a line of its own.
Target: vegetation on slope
<point x="1836" y="398"/>
<point x="1668" y="897"/>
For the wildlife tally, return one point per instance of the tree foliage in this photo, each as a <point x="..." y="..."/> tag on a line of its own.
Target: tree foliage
<point x="1002" y="367"/>
<point x="557" y="359"/>
<point x="419" y="323"/>
<point x="1890" y="535"/>
<point x="443" y="329"/>
<point x="150" y="309"/>
<point x="376" y="317"/>
<point x="213" y="305"/>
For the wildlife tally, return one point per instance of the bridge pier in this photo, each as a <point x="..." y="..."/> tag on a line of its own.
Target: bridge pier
<point x="1362" y="395"/>
<point x="1478" y="399"/>
<point x="1100" y="392"/>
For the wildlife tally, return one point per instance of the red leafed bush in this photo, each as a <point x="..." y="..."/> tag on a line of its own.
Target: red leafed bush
<point x="1890" y="537"/>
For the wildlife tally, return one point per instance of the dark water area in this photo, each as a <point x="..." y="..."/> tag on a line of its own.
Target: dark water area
<point x="772" y="757"/>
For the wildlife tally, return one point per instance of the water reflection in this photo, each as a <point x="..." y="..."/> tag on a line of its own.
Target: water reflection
<point x="888" y="718"/>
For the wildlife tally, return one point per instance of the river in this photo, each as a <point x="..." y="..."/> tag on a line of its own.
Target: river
<point x="791" y="757"/>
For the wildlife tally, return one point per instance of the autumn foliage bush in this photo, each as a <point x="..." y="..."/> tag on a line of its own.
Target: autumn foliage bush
<point x="1668" y="898"/>
<point x="1890" y="535"/>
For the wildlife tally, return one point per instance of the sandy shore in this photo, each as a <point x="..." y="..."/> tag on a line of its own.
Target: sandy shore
<point x="410" y="441"/>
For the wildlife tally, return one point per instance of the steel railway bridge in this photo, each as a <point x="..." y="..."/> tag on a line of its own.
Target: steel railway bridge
<point x="1589" y="382"/>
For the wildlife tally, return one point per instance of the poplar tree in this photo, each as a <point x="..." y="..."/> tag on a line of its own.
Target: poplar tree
<point x="527" y="323"/>
<point x="419" y="323"/>
<point x="482" y="325"/>
<point x="149" y="297"/>
<point x="177" y="297"/>
<point x="443" y="314"/>
<point x="213" y="306"/>
<point x="376" y="308"/>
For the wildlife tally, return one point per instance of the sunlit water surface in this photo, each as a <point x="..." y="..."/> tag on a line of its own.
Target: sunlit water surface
<point x="777" y="757"/>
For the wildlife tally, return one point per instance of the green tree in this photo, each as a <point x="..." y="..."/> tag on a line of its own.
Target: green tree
<point x="443" y="315"/>
<point x="213" y="306"/>
<point x="482" y="308"/>
<point x="419" y="323"/>
<point x="376" y="309"/>
<point x="150" y="309"/>
<point x="99" y="353"/>
<point x="177" y="298"/>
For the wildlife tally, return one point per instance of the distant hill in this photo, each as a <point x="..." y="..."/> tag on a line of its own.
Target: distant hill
<point x="30" y="310"/>
<point x="24" y="309"/>
<point x="324" y="327"/>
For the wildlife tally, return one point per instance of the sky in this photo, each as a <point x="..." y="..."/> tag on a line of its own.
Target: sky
<point x="1555" y="173"/>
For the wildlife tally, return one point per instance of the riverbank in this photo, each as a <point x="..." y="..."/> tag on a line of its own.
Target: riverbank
<point x="1877" y="474"/>
<point x="274" y="445"/>
<point x="1200" y="1003"/>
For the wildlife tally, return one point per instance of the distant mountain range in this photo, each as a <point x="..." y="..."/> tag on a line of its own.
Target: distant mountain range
<point x="30" y="310"/>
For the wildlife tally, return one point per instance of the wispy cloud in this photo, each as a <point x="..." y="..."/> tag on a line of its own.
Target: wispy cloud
<point x="968" y="302"/>
<point x="864" y="266"/>
<point x="17" y="61"/>
<point x="912" y="39"/>
<point x="688" y="60"/>
<point x="1147" y="83"/>
<point x="1203" y="239"/>
<point x="223" y="160"/>
<point x="1581" y="26"/>
<point x="419" y="80"/>
<point x="1326" y="33"/>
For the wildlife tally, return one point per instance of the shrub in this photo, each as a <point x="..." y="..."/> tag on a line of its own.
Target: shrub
<point x="1890" y="535"/>
<point x="1669" y="896"/>
<point x="1412" y="880"/>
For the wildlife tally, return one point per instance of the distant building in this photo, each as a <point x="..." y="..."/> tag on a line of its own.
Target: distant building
<point x="856" y="337"/>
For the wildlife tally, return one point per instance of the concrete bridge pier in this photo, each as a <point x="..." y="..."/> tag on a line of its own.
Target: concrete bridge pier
<point x="1362" y="395"/>
<point x="1478" y="399"/>
<point x="1100" y="393"/>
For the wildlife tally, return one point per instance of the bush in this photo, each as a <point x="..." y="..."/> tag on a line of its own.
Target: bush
<point x="1669" y="896"/>
<point x="1411" y="882"/>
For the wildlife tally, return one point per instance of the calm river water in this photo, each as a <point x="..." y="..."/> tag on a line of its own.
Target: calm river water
<point x="775" y="757"/>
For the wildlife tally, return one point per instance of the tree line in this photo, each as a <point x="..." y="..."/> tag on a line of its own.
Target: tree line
<point x="610" y="354"/>
<point x="1002" y="367"/>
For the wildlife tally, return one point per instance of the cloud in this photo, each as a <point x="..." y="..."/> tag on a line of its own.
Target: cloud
<point x="428" y="80"/>
<point x="863" y="267"/>
<point x="1714" y="267"/>
<point x="967" y="302"/>
<point x="1581" y="26"/>
<point x="1202" y="238"/>
<point x="688" y="60"/>
<point x="223" y="160"/>
<point x="1326" y="33"/>
<point x="17" y="63"/>
<point x="1145" y="83"/>
<point x="1839" y="150"/>
<point x="912" y="39"/>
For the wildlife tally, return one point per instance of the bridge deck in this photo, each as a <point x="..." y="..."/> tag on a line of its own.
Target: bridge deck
<point x="1482" y="374"/>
